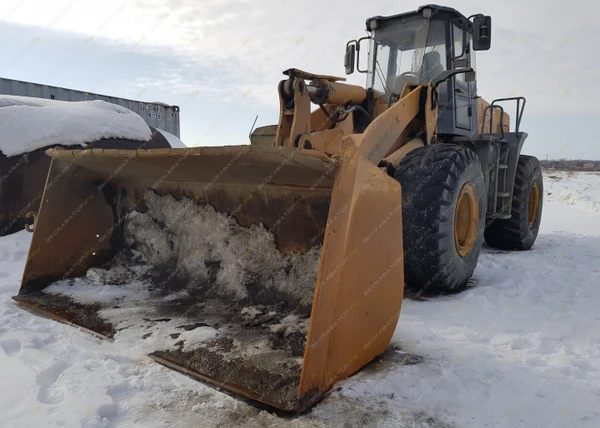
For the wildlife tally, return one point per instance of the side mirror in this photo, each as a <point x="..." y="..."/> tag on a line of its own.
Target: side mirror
<point x="482" y="32"/>
<point x="350" y="56"/>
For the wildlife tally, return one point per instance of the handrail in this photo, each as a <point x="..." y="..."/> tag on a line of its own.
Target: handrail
<point x="490" y="108"/>
<point x="520" y="109"/>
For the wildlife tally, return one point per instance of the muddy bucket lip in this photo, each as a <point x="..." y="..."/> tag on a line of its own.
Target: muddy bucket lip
<point x="236" y="391"/>
<point x="239" y="393"/>
<point x="56" y="316"/>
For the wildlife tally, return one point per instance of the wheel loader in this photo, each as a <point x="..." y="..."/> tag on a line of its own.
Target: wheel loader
<point x="276" y="269"/>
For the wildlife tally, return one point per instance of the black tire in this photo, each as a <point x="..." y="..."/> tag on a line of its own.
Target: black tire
<point x="432" y="177"/>
<point x="517" y="233"/>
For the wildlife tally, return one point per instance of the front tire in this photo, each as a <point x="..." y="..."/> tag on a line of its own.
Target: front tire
<point x="520" y="231"/>
<point x="443" y="216"/>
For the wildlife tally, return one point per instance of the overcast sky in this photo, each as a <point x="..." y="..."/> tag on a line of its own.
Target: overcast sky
<point x="221" y="60"/>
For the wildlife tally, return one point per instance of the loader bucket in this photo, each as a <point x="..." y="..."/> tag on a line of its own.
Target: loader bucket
<point x="271" y="272"/>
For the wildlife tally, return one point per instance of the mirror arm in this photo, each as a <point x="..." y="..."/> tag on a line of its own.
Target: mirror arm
<point x="464" y="45"/>
<point x="358" y="55"/>
<point x="443" y="76"/>
<point x="473" y="16"/>
<point x="465" y="38"/>
<point x="448" y="73"/>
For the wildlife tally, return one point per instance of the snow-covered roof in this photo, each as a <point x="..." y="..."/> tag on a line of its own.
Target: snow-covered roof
<point x="27" y="124"/>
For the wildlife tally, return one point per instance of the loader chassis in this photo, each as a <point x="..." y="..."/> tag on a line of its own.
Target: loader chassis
<point x="378" y="186"/>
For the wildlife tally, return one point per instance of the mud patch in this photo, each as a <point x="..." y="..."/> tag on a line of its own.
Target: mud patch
<point x="67" y="310"/>
<point x="426" y="420"/>
<point x="390" y="359"/>
<point x="189" y="327"/>
<point x="295" y="343"/>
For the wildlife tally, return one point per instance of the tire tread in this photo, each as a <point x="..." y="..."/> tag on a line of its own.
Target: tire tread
<point x="514" y="233"/>
<point x="429" y="177"/>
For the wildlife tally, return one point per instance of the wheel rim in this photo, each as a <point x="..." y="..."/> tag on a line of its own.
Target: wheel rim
<point x="466" y="219"/>
<point x="534" y="203"/>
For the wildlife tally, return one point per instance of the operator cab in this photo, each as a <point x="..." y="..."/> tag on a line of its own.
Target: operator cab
<point x="405" y="50"/>
<point x="417" y="47"/>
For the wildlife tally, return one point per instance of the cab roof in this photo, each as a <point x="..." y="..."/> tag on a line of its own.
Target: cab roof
<point x="434" y="7"/>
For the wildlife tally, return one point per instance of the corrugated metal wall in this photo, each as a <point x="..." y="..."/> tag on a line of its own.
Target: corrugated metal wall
<point x="158" y="115"/>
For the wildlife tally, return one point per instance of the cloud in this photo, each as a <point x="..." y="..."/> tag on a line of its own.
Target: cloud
<point x="226" y="48"/>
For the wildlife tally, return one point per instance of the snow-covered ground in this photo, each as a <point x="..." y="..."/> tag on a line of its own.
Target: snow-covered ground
<point x="521" y="348"/>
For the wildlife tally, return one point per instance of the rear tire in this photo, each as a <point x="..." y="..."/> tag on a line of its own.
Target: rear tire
<point x="520" y="231"/>
<point x="443" y="216"/>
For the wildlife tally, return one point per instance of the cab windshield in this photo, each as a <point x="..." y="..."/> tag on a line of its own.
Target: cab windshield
<point x="409" y="50"/>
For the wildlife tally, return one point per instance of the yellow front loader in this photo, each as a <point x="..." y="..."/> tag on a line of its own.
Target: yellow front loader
<point x="274" y="271"/>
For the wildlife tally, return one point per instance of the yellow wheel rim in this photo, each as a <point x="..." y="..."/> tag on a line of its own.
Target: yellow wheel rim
<point x="534" y="204"/>
<point x="466" y="219"/>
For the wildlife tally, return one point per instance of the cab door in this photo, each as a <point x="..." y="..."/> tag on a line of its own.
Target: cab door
<point x="462" y="89"/>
